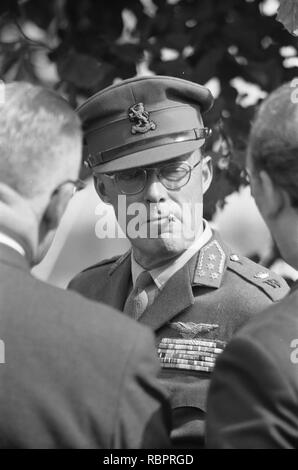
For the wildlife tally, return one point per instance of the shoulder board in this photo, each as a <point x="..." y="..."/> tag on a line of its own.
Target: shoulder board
<point x="273" y="285"/>
<point x="119" y="261"/>
<point x="210" y="265"/>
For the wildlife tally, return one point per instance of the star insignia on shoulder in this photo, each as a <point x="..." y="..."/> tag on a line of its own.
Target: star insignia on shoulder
<point x="214" y="275"/>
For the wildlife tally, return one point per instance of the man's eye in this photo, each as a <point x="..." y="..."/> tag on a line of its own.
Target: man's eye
<point x="129" y="175"/>
<point x="174" y="172"/>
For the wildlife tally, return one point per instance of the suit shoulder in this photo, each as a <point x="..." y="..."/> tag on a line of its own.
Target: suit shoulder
<point x="270" y="283"/>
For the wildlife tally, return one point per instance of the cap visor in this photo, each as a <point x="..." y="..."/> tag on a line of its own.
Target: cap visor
<point x="149" y="156"/>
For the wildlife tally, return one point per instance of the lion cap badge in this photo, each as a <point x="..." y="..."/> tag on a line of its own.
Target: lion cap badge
<point x="140" y="119"/>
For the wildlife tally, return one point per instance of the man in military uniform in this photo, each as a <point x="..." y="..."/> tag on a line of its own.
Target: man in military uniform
<point x="145" y="138"/>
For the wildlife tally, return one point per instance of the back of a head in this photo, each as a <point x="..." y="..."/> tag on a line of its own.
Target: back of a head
<point x="40" y="139"/>
<point x="273" y="142"/>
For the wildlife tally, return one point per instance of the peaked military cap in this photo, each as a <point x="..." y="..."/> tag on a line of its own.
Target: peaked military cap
<point x="143" y="121"/>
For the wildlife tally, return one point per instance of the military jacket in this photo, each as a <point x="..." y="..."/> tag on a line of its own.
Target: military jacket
<point x="199" y="309"/>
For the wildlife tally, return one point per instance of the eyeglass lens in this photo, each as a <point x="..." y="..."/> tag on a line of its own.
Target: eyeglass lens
<point x="172" y="176"/>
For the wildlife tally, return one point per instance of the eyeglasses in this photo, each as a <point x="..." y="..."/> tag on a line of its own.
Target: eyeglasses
<point x="173" y="176"/>
<point x="77" y="185"/>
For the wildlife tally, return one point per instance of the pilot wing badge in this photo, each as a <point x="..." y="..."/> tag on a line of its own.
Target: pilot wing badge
<point x="189" y="330"/>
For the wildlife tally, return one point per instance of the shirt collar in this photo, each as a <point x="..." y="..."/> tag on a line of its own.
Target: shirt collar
<point x="8" y="241"/>
<point x="162" y="274"/>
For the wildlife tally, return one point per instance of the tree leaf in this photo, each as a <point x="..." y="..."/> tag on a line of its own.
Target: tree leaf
<point x="80" y="69"/>
<point x="288" y="15"/>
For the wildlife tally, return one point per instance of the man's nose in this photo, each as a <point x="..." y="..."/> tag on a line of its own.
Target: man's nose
<point x="154" y="190"/>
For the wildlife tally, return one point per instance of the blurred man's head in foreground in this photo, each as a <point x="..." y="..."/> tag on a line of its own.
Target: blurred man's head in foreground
<point x="40" y="155"/>
<point x="272" y="161"/>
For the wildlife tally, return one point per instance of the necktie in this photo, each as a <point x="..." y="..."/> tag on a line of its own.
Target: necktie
<point x="141" y="296"/>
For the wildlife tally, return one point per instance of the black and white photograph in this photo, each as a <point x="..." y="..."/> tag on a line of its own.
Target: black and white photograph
<point x="148" y="227"/>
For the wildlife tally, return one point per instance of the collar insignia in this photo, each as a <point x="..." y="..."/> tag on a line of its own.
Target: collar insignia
<point x="210" y="265"/>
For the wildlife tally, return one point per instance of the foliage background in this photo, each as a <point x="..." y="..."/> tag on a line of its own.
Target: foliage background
<point x="87" y="45"/>
<point x="236" y="47"/>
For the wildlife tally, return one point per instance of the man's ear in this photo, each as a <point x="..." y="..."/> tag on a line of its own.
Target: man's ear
<point x="18" y="219"/>
<point x="100" y="188"/>
<point x="207" y="172"/>
<point x="53" y="213"/>
<point x="271" y="199"/>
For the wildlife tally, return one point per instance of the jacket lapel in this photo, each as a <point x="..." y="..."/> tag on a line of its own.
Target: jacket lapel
<point x="177" y="294"/>
<point x="166" y="306"/>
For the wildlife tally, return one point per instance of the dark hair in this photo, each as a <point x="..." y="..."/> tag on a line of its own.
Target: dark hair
<point x="273" y="142"/>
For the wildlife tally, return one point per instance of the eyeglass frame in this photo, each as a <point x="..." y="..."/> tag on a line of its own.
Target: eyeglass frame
<point x="78" y="185"/>
<point x="145" y="169"/>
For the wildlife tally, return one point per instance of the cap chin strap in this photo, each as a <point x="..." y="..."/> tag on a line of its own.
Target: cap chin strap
<point x="145" y="144"/>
